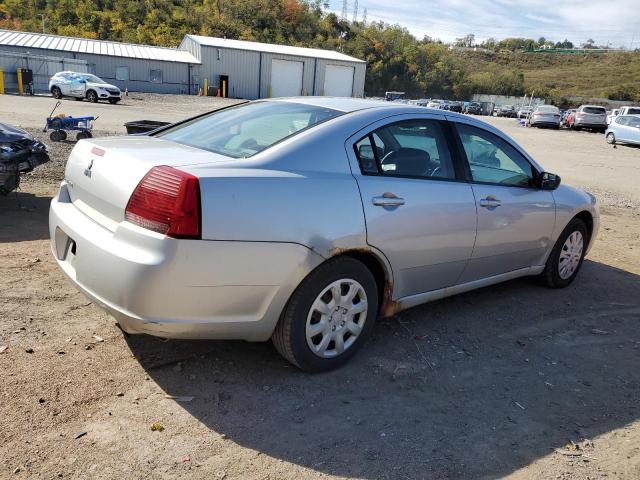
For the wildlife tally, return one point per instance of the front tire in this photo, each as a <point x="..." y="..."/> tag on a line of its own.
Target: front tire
<point x="611" y="138"/>
<point x="113" y="101"/>
<point x="567" y="256"/>
<point x="329" y="316"/>
<point x="92" y="96"/>
<point x="56" y="92"/>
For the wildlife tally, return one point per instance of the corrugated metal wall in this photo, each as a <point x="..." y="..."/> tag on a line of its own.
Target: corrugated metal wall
<point x="42" y="66"/>
<point x="175" y="76"/>
<point x="241" y="66"/>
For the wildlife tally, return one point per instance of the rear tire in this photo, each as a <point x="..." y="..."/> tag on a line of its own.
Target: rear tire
<point x="316" y="318"/>
<point x="92" y="96"/>
<point x="567" y="256"/>
<point x="83" y="135"/>
<point x="56" y="92"/>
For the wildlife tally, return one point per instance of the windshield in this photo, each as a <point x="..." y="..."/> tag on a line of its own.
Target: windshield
<point x="633" y="111"/>
<point x="91" y="78"/>
<point x="248" y="129"/>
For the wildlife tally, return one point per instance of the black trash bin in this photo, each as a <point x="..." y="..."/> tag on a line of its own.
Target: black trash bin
<point x="143" y="126"/>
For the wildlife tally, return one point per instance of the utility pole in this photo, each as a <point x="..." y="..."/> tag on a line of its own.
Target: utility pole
<point x="355" y="11"/>
<point x="41" y="15"/>
<point x="344" y="10"/>
<point x="364" y="17"/>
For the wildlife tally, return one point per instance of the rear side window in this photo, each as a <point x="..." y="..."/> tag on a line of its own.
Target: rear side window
<point x="594" y="110"/>
<point x="633" y="111"/>
<point x="243" y="131"/>
<point x="412" y="148"/>
<point x="493" y="160"/>
<point x="622" y="120"/>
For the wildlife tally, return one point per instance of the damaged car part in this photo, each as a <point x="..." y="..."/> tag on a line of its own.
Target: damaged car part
<point x="20" y="153"/>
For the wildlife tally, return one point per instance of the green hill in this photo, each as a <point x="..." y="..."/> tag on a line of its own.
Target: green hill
<point x="396" y="59"/>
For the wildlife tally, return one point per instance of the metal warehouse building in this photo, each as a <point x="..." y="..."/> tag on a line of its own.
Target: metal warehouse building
<point x="258" y="70"/>
<point x="136" y="67"/>
<point x="237" y="68"/>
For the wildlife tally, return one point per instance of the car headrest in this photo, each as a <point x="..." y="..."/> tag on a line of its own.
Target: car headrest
<point x="409" y="161"/>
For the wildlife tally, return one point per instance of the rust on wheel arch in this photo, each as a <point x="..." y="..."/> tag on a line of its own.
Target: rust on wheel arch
<point x="388" y="306"/>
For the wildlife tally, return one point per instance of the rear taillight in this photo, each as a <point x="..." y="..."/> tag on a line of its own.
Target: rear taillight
<point x="166" y="201"/>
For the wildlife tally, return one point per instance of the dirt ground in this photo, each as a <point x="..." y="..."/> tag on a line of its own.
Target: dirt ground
<point x="512" y="381"/>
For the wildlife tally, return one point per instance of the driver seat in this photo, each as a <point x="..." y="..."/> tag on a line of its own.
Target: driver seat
<point x="409" y="161"/>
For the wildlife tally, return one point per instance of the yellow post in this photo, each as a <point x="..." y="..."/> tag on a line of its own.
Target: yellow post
<point x="1" y="82"/>
<point x="224" y="89"/>
<point x="206" y="87"/>
<point x="19" y="81"/>
<point x="269" y="92"/>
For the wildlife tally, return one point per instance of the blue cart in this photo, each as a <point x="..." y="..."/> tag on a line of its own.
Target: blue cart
<point x="59" y="126"/>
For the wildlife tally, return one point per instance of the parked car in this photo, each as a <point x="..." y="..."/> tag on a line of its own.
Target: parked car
<point x="437" y="104"/>
<point x="629" y="111"/>
<point x="612" y="114"/>
<point x="545" y="116"/>
<point x="83" y="85"/>
<point x="592" y="117"/>
<point x="255" y="222"/>
<point x="524" y="112"/>
<point x="473" y="108"/>
<point x="624" y="129"/>
<point x="508" y="111"/>
<point x="20" y="153"/>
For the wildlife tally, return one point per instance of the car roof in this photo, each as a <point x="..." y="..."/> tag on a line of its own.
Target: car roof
<point x="342" y="104"/>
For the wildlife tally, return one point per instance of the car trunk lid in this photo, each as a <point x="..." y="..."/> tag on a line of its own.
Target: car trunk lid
<point x="102" y="173"/>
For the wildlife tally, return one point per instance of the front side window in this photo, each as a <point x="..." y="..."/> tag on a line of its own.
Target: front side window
<point x="633" y="122"/>
<point x="122" y="74"/>
<point x="492" y="160"/>
<point x="247" y="129"/>
<point x="155" y="76"/>
<point x="412" y="148"/>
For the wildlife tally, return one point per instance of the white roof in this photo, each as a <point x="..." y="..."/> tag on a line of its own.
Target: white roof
<point x="272" y="48"/>
<point x="99" y="47"/>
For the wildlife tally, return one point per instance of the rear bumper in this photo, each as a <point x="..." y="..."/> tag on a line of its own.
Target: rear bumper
<point x="177" y="288"/>
<point x="578" y="123"/>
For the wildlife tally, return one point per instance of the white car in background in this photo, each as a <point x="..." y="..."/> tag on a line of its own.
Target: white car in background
<point x="83" y="85"/>
<point x="624" y="129"/>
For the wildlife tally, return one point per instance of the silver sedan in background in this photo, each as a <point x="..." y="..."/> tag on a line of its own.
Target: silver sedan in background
<point x="302" y="220"/>
<point x="545" y="116"/>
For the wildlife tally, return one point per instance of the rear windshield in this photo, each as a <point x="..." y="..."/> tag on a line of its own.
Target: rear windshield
<point x="594" y="110"/>
<point x="248" y="129"/>
<point x="548" y="109"/>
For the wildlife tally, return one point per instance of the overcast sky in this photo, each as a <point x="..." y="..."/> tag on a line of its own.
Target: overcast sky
<point x="614" y="21"/>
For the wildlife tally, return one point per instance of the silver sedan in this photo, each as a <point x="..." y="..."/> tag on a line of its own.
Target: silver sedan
<point x="303" y="220"/>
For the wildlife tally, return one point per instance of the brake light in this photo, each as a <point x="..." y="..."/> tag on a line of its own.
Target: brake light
<point x="167" y="201"/>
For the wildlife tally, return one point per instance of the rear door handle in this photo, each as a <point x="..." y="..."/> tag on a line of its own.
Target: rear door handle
<point x="490" y="202"/>
<point x="388" y="200"/>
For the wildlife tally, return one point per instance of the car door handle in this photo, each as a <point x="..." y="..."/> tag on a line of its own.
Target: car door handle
<point x="388" y="200"/>
<point x="490" y="202"/>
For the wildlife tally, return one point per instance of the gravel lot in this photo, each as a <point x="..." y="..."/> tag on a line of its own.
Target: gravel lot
<point x="511" y="381"/>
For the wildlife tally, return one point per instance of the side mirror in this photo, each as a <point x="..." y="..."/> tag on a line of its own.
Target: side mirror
<point x="549" y="181"/>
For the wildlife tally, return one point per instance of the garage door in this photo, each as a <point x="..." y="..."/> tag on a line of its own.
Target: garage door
<point x="338" y="81"/>
<point x="286" y="78"/>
